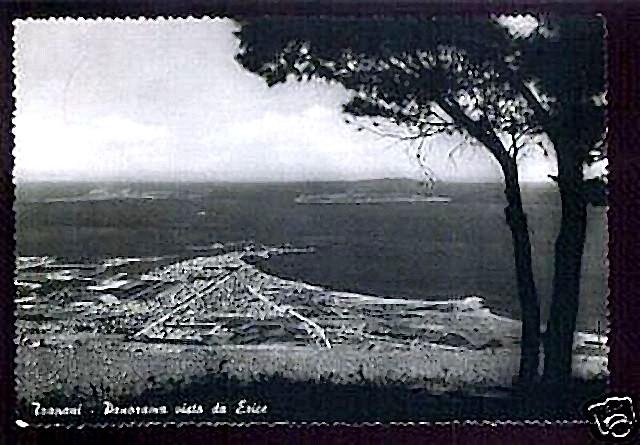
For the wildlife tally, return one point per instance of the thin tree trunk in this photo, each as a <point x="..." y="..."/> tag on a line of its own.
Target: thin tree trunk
<point x="529" y="305"/>
<point x="517" y="222"/>
<point x="558" y="342"/>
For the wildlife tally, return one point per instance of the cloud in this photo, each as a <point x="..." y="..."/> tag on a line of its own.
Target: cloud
<point x="312" y="143"/>
<point x="50" y="146"/>
<point x="167" y="100"/>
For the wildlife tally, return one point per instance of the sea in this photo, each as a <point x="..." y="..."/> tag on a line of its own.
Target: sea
<point x="446" y="249"/>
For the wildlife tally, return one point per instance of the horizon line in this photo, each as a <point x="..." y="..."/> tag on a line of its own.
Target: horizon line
<point x="17" y="181"/>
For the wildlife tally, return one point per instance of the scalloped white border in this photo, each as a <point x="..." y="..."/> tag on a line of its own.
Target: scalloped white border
<point x="205" y="18"/>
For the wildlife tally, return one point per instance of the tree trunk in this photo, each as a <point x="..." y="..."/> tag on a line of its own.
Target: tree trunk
<point x="517" y="222"/>
<point x="558" y="342"/>
<point x="529" y="305"/>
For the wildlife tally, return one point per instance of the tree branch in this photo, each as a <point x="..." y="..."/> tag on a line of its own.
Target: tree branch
<point x="532" y="100"/>
<point x="475" y="128"/>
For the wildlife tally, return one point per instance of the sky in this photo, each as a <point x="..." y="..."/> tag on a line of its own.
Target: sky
<point x="166" y="100"/>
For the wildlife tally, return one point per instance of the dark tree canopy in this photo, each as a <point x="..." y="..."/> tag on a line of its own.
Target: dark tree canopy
<point x="565" y="59"/>
<point x="448" y="74"/>
<point x="398" y="69"/>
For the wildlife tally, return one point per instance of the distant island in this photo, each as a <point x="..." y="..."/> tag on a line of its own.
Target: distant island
<point x="377" y="192"/>
<point x="361" y="198"/>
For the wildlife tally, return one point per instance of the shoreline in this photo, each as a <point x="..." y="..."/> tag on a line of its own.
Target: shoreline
<point x="438" y="347"/>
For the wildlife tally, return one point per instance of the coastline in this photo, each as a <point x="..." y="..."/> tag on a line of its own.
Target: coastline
<point x="440" y="347"/>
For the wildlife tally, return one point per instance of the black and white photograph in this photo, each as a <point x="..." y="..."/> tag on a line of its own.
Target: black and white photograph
<point x="310" y="219"/>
